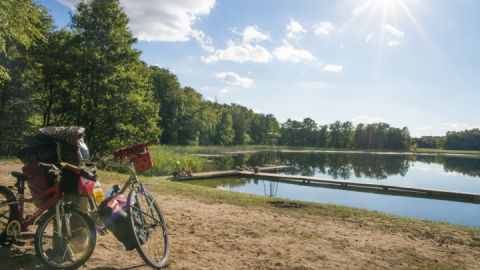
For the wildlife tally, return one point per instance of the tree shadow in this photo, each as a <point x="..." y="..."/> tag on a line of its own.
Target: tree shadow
<point x="13" y="258"/>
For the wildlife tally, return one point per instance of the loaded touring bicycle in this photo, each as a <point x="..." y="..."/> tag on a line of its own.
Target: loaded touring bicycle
<point x="70" y="211"/>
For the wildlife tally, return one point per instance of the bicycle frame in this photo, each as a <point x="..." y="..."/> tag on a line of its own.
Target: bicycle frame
<point x="54" y="195"/>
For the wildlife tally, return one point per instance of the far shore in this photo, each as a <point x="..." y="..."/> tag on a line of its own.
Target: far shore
<point x="419" y="152"/>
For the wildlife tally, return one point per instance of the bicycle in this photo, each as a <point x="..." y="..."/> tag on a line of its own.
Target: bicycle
<point x="146" y="220"/>
<point x="65" y="237"/>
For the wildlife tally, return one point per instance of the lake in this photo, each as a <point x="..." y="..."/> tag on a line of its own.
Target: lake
<point x="452" y="173"/>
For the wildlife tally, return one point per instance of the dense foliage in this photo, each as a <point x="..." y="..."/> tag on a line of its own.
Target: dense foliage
<point x="463" y="140"/>
<point x="90" y="75"/>
<point x="344" y="135"/>
<point x="435" y="142"/>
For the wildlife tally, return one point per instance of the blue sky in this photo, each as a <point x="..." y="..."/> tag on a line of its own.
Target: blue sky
<point x="411" y="63"/>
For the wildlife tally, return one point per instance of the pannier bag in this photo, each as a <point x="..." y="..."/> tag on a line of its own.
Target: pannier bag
<point x="76" y="181"/>
<point x="138" y="154"/>
<point x="112" y="211"/>
<point x="40" y="180"/>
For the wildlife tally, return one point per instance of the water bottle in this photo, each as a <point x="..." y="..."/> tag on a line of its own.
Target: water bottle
<point x="98" y="193"/>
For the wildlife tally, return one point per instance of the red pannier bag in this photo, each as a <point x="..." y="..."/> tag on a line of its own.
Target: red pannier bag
<point x="40" y="180"/>
<point x="138" y="154"/>
<point x="75" y="181"/>
<point x="142" y="162"/>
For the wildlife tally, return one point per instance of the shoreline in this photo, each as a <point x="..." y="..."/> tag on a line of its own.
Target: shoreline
<point x="371" y="152"/>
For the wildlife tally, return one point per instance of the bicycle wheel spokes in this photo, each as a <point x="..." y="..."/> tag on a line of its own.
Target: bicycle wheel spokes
<point x="150" y="229"/>
<point x="65" y="250"/>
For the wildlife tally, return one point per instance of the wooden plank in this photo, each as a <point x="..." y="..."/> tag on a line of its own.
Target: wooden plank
<point x="369" y="187"/>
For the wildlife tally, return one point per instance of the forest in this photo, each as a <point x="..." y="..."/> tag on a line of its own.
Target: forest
<point x="454" y="140"/>
<point x="90" y="74"/>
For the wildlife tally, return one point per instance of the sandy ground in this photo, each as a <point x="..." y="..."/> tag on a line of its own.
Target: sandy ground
<point x="206" y="235"/>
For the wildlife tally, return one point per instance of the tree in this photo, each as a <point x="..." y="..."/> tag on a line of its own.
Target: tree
<point x="167" y="93"/>
<point x="241" y="118"/>
<point x="463" y="140"/>
<point x="225" y="132"/>
<point x="114" y="97"/>
<point x="23" y="25"/>
<point x="360" y="140"/>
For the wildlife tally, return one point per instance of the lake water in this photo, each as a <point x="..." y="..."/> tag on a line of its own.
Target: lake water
<point x="431" y="172"/>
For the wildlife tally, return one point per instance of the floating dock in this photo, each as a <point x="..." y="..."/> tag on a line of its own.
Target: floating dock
<point x="340" y="184"/>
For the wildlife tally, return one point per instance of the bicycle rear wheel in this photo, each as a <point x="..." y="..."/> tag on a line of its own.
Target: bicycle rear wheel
<point x="75" y="246"/>
<point x="149" y="227"/>
<point x="8" y="212"/>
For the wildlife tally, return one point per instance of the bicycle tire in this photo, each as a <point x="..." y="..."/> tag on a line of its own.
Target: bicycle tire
<point x="136" y="217"/>
<point x="7" y="195"/>
<point x="41" y="253"/>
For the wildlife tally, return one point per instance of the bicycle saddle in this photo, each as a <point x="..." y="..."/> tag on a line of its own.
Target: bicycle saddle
<point x="20" y="176"/>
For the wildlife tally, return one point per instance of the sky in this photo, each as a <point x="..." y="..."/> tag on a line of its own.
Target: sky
<point x="413" y="63"/>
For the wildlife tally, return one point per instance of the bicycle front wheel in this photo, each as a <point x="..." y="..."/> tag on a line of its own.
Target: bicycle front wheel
<point x="70" y="248"/>
<point x="149" y="227"/>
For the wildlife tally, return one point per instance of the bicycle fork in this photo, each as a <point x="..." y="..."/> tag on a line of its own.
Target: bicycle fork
<point x="62" y="220"/>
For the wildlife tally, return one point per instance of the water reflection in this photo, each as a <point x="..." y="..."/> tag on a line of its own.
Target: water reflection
<point x="430" y="172"/>
<point x="348" y="165"/>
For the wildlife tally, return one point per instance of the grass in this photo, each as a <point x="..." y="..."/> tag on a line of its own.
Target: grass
<point x="166" y="161"/>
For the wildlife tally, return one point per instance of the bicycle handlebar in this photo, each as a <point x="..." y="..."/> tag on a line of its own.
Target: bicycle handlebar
<point x="49" y="166"/>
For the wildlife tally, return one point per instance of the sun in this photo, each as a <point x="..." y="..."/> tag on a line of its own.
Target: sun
<point x="387" y="10"/>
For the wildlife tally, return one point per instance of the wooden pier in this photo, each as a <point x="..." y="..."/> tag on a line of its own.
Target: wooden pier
<point x="339" y="184"/>
<point x="228" y="173"/>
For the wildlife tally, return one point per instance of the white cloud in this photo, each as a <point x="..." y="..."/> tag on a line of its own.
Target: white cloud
<point x="166" y="20"/>
<point x="288" y="53"/>
<point x="392" y="30"/>
<point x="393" y="43"/>
<point x="240" y="53"/>
<point x="245" y="51"/>
<point x="360" y="9"/>
<point x="251" y="34"/>
<point x="204" y="41"/>
<point x="333" y="68"/>
<point x="324" y="29"/>
<point x="365" y="119"/>
<point x="395" y="33"/>
<point x="235" y="79"/>
<point x="294" y="29"/>
<point x="368" y="38"/>
<point x="69" y="3"/>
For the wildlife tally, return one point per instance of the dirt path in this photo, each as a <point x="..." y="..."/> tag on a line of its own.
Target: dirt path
<point x="214" y="235"/>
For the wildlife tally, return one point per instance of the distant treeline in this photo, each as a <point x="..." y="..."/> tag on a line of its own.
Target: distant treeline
<point x="453" y="140"/>
<point x="90" y="75"/>
<point x="344" y="135"/>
